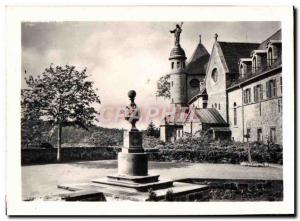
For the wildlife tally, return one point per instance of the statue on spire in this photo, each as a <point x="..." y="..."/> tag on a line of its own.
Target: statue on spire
<point x="177" y="32"/>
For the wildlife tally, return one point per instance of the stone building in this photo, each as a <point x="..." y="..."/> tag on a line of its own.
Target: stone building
<point x="234" y="91"/>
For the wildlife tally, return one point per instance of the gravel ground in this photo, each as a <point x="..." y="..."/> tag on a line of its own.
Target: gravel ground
<point x="40" y="180"/>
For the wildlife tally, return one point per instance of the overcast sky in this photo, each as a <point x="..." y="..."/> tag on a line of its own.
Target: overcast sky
<point x="120" y="56"/>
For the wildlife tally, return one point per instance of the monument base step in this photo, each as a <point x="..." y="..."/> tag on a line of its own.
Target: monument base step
<point x="142" y="184"/>
<point x="134" y="179"/>
<point x="181" y="191"/>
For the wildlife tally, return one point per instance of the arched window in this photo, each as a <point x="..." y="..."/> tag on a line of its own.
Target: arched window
<point x="172" y="65"/>
<point x="242" y="70"/>
<point x="234" y="114"/>
<point x="214" y="74"/>
<point x="270" y="56"/>
<point x="194" y="83"/>
<point x="254" y="65"/>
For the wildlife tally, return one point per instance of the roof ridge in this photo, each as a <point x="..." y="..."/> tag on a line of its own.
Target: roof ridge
<point x="233" y="42"/>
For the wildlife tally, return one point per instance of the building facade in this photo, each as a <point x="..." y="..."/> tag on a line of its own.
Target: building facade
<point x="233" y="92"/>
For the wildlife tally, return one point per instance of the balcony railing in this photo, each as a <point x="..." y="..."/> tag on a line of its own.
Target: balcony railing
<point x="270" y="64"/>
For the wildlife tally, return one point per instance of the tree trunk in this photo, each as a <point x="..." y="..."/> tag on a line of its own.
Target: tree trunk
<point x="58" y="143"/>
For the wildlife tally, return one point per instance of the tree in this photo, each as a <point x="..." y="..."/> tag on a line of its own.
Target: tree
<point x="152" y="130"/>
<point x="163" y="87"/>
<point x="62" y="96"/>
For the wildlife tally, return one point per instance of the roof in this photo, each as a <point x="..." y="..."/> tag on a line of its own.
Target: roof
<point x="177" y="52"/>
<point x="233" y="51"/>
<point x="265" y="68"/>
<point x="200" y="94"/>
<point x="198" y="62"/>
<point x="275" y="36"/>
<point x="221" y="129"/>
<point x="206" y="116"/>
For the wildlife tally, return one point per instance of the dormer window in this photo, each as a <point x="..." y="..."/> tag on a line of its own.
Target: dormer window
<point x="270" y="56"/>
<point x="242" y="72"/>
<point x="274" y="51"/>
<point x="254" y="64"/>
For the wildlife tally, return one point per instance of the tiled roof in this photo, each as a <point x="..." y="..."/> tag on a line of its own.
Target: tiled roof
<point x="198" y="61"/>
<point x="265" y="67"/>
<point x="207" y="116"/>
<point x="233" y="51"/>
<point x="275" y="36"/>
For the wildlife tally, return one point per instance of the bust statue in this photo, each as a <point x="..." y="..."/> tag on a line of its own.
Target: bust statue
<point x="132" y="113"/>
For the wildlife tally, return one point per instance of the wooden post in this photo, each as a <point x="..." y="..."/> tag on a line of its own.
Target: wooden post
<point x="58" y="143"/>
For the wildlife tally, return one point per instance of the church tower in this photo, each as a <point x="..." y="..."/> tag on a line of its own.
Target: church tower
<point x="178" y="76"/>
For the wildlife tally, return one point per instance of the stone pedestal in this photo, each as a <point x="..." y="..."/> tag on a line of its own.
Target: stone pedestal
<point x="133" y="167"/>
<point x="132" y="161"/>
<point x="132" y="180"/>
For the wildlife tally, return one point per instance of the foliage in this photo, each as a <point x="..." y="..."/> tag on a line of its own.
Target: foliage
<point x="169" y="197"/>
<point x="75" y="137"/>
<point x="62" y="96"/>
<point x="163" y="87"/>
<point x="152" y="195"/>
<point x="152" y="142"/>
<point x="194" y="150"/>
<point x="152" y="130"/>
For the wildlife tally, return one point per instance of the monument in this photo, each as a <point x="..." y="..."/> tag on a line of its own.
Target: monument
<point x="132" y="160"/>
<point x="132" y="181"/>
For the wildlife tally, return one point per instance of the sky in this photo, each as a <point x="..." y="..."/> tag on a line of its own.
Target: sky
<point x="120" y="56"/>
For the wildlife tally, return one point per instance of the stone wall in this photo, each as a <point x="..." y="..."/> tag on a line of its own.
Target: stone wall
<point x="48" y="155"/>
<point x="256" y="115"/>
<point x="216" y="91"/>
<point x="242" y="189"/>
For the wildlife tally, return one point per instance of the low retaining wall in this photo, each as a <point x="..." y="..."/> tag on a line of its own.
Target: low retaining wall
<point x="48" y="155"/>
<point x="242" y="189"/>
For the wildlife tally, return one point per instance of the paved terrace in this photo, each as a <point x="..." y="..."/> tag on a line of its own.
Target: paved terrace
<point x="39" y="180"/>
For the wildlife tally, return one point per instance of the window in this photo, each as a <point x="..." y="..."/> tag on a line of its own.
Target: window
<point x="248" y="132"/>
<point x="183" y="65"/>
<point x="178" y="64"/>
<point x="279" y="105"/>
<point x="219" y="106"/>
<point x="273" y="135"/>
<point x="271" y="90"/>
<point x="260" y="109"/>
<point x="254" y="66"/>
<point x="172" y="65"/>
<point x="247" y="96"/>
<point x="258" y="93"/>
<point x="270" y="57"/>
<point x="259" y="135"/>
<point x="242" y="70"/>
<point x="216" y="105"/>
<point x="194" y="83"/>
<point x="234" y="114"/>
<point x="172" y="83"/>
<point x="281" y="85"/>
<point x="214" y="75"/>
<point x="212" y="106"/>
